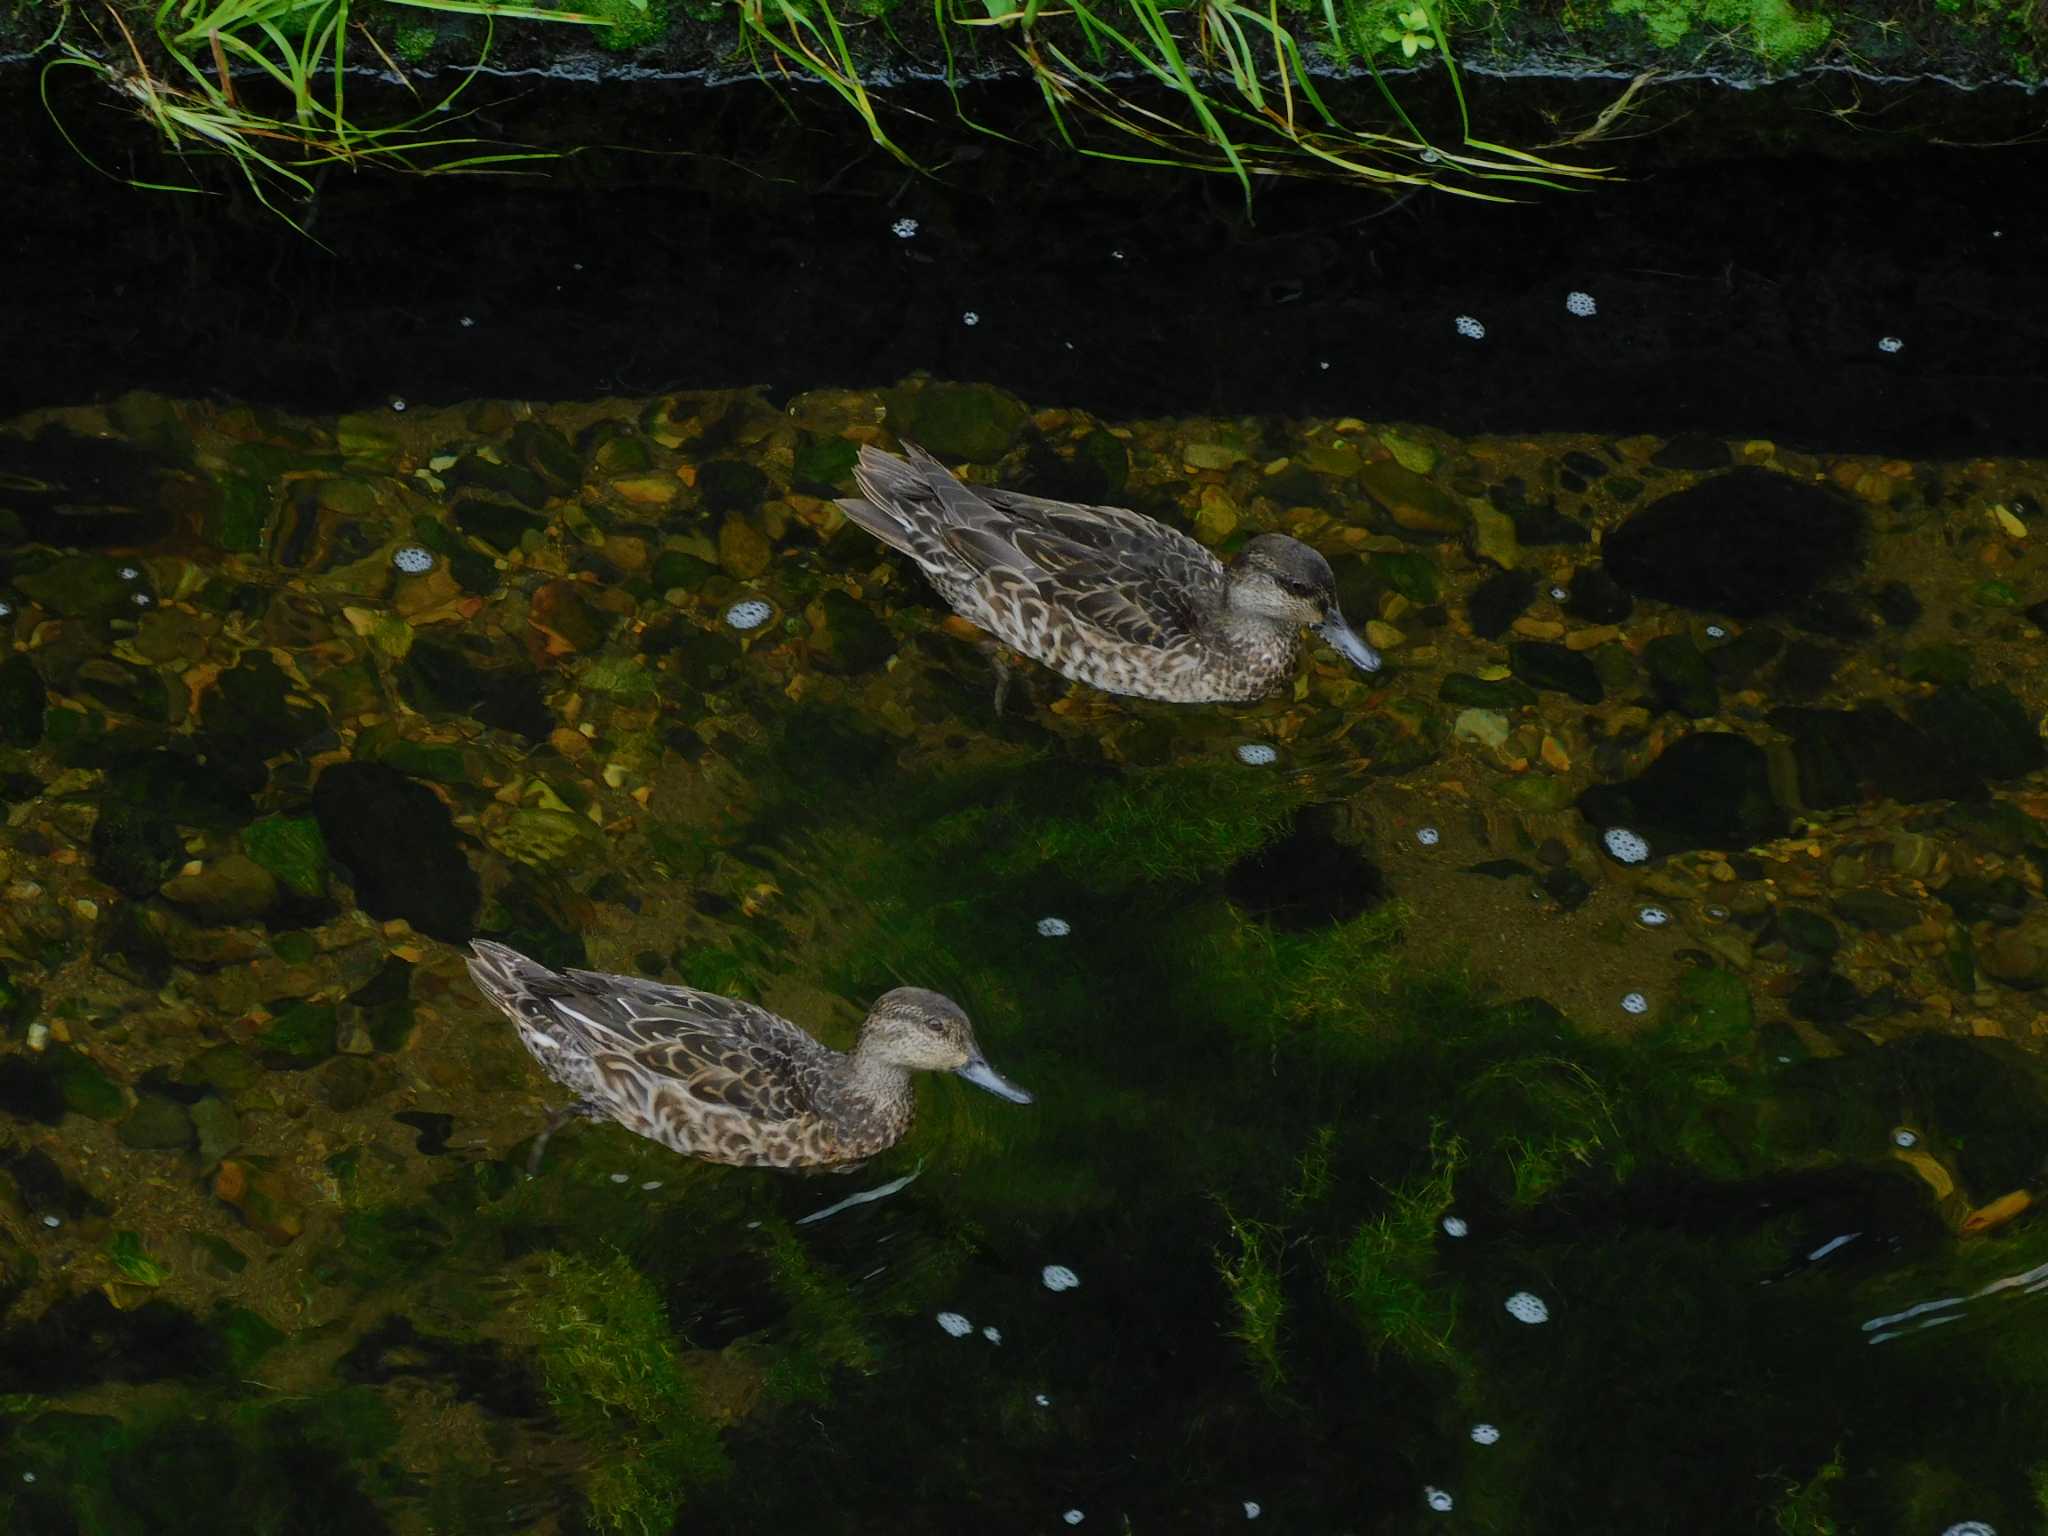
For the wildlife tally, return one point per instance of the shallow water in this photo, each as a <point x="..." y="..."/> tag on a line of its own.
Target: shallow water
<point x="1382" y="1094"/>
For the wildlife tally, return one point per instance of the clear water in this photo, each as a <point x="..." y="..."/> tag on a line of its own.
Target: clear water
<point x="1388" y="1208"/>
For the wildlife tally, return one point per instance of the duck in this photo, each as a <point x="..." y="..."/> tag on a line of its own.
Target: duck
<point x="721" y="1079"/>
<point x="1103" y="595"/>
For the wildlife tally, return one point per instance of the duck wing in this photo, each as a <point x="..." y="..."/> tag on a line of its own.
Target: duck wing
<point x="1109" y="568"/>
<point x="718" y="1052"/>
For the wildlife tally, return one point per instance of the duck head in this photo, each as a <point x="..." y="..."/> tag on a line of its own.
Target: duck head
<point x="1285" y="583"/>
<point x="922" y="1031"/>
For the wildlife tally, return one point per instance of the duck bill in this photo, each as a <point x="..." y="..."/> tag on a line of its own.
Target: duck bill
<point x="982" y="1075"/>
<point x="1342" y="639"/>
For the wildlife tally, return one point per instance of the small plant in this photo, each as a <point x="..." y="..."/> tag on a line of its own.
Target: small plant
<point x="1412" y="32"/>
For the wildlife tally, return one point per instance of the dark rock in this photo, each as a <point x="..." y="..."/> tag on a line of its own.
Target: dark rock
<point x="28" y="1091"/>
<point x="1986" y="731"/>
<point x="1541" y="664"/>
<point x="83" y="492"/>
<point x="1498" y="601"/>
<point x="1598" y="598"/>
<point x="400" y="847"/>
<point x="1547" y="525"/>
<point x="1896" y="605"/>
<point x="1708" y="790"/>
<point x="1838" y="751"/>
<point x="231" y="889"/>
<point x="83" y="1341"/>
<point x="1807" y="931"/>
<point x="1683" y="680"/>
<point x="87" y="1090"/>
<point x="1975" y="899"/>
<point x="1838" y="615"/>
<point x="547" y="453"/>
<point x="1412" y="575"/>
<point x="211" y="788"/>
<point x="1806" y="671"/>
<point x="127" y="945"/>
<point x="1740" y="659"/>
<point x="1946" y="665"/>
<point x="250" y="705"/>
<point x="1878" y="909"/>
<point x="975" y="422"/>
<point x="434" y="1130"/>
<point x="1692" y="450"/>
<point x="24" y="702"/>
<point x="2038" y="612"/>
<point x="156" y="1125"/>
<point x="2015" y="957"/>
<point x="499" y="525"/>
<point x="731" y="485"/>
<point x="441" y="679"/>
<point x="1825" y="998"/>
<point x="1499" y="869"/>
<point x="478" y="1371"/>
<point x="1468" y="692"/>
<point x="1305" y="880"/>
<point x="347" y="1083"/>
<point x="513" y="480"/>
<point x="134" y="849"/>
<point x="1747" y="543"/>
<point x="852" y="639"/>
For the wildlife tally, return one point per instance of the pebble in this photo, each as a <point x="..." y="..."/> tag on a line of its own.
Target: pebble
<point x="1527" y="1307"/>
<point x="1058" y="1277"/>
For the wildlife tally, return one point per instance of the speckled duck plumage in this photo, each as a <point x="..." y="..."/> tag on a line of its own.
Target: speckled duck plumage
<point x="1105" y="596"/>
<point x="720" y="1079"/>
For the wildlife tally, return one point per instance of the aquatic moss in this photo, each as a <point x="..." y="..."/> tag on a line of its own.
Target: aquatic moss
<point x="825" y="1323"/>
<point x="1250" y="1268"/>
<point x="1386" y="1273"/>
<point x="609" y="1363"/>
<point x="1174" y="824"/>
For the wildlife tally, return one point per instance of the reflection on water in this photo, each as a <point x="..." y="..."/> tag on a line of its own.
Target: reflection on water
<point x="1585" y="1074"/>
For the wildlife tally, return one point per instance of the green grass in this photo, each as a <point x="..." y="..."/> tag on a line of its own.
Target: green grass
<point x="1387" y="1275"/>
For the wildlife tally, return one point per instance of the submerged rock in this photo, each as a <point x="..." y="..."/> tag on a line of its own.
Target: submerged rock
<point x="1541" y="664"/>
<point x="974" y="422"/>
<point x="134" y="849"/>
<point x="1710" y="790"/>
<point x="24" y="703"/>
<point x="1746" y="543"/>
<point x="1307" y="879"/>
<point x="1498" y="601"/>
<point x="400" y="847"/>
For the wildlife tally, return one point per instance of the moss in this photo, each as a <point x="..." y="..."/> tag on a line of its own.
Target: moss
<point x="1386" y="1273"/>
<point x="631" y="23"/>
<point x="825" y="1323"/>
<point x="609" y="1363"/>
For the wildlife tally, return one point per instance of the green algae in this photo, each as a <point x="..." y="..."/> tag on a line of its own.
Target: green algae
<point x="608" y="1361"/>
<point x="292" y="849"/>
<point x="1251" y="1273"/>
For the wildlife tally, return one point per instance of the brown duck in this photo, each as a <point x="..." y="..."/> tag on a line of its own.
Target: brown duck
<point x="1106" y="596"/>
<point x="720" y="1079"/>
